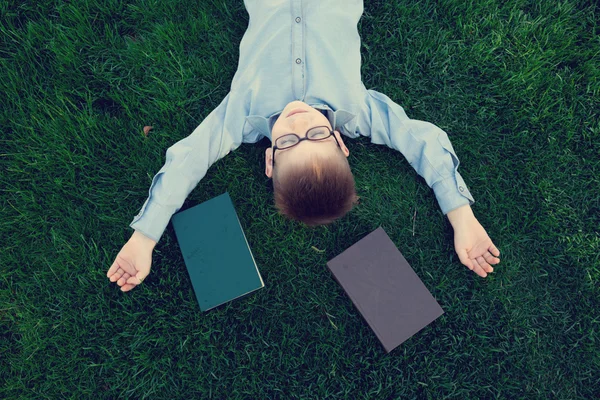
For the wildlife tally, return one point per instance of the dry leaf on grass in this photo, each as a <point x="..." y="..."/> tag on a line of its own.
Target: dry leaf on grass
<point x="147" y="129"/>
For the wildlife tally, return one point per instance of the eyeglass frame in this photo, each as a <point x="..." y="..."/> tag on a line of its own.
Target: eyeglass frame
<point x="331" y="133"/>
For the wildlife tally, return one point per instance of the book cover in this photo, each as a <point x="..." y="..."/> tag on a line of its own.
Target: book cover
<point x="216" y="252"/>
<point x="385" y="289"/>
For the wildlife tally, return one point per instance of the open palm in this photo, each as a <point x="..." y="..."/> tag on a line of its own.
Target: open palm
<point x="131" y="265"/>
<point x="475" y="248"/>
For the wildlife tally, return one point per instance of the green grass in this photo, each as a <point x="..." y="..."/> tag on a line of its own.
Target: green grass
<point x="516" y="85"/>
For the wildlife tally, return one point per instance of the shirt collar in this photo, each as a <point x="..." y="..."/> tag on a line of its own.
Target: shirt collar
<point x="337" y="119"/>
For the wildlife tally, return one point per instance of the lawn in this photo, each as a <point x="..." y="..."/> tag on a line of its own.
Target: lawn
<point x="516" y="85"/>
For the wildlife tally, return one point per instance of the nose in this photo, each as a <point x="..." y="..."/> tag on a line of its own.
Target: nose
<point x="300" y="121"/>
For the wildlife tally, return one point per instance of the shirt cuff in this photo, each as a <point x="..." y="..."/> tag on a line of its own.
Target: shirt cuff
<point x="153" y="219"/>
<point x="452" y="193"/>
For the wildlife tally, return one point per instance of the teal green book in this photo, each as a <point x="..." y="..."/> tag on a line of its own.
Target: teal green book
<point x="216" y="252"/>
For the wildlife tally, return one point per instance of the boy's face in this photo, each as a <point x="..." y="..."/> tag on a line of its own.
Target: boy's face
<point x="299" y="123"/>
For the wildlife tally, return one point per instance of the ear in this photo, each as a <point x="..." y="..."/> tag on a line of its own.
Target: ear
<point x="342" y="145"/>
<point x="269" y="162"/>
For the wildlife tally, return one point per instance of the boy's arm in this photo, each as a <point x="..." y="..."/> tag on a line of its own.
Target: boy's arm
<point x="425" y="146"/>
<point x="428" y="149"/>
<point x="186" y="164"/>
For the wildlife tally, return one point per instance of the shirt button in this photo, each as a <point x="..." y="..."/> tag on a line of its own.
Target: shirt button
<point x="462" y="189"/>
<point x="298" y="61"/>
<point x="298" y="19"/>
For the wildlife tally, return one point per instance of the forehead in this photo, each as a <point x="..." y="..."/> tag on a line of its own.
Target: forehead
<point x="308" y="146"/>
<point x="300" y="154"/>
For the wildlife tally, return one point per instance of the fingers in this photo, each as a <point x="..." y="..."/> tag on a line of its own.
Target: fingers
<point x="119" y="267"/>
<point x="474" y="264"/>
<point x="464" y="259"/>
<point x="121" y="272"/>
<point x="135" y="280"/>
<point x="483" y="259"/>
<point x="490" y="258"/>
<point x="117" y="274"/>
<point x="477" y="265"/>
<point x="113" y="268"/>
<point x="484" y="264"/>
<point x="127" y="287"/>
<point x="478" y="269"/>
<point x="123" y="279"/>
<point x="130" y="282"/>
<point x="494" y="250"/>
<point x="484" y="267"/>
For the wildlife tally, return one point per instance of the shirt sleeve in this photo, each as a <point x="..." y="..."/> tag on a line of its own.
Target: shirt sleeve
<point x="425" y="146"/>
<point x="186" y="164"/>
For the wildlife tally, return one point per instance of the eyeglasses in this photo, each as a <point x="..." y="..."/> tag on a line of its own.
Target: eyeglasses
<point x="315" y="134"/>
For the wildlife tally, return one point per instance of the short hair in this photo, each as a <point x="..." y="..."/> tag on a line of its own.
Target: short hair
<point x="318" y="191"/>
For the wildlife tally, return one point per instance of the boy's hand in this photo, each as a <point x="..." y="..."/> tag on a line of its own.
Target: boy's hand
<point x="132" y="264"/>
<point x="472" y="243"/>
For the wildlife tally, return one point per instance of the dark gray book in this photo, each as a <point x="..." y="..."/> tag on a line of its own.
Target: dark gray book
<point x="385" y="289"/>
<point x="216" y="253"/>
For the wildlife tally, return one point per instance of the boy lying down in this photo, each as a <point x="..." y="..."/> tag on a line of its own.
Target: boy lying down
<point x="298" y="83"/>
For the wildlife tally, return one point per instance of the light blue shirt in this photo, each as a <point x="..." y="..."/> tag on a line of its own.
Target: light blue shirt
<point x="306" y="50"/>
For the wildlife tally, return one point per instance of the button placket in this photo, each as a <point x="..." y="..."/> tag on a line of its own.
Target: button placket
<point x="297" y="51"/>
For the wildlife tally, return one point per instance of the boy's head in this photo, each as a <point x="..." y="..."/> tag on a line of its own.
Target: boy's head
<point x="312" y="180"/>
